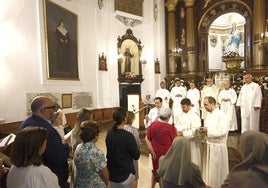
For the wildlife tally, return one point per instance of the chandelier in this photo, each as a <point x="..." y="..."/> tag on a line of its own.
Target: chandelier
<point x="177" y="51"/>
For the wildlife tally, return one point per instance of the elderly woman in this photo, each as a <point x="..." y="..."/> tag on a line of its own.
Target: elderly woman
<point x="176" y="169"/>
<point x="159" y="138"/>
<point x="253" y="170"/>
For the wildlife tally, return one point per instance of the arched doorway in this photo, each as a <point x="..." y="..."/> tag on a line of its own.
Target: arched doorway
<point x="215" y="11"/>
<point x="225" y="38"/>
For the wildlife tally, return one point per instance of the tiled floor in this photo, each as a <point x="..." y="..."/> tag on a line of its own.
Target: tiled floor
<point x="145" y="173"/>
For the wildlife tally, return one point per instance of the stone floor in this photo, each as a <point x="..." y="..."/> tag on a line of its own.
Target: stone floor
<point x="145" y="173"/>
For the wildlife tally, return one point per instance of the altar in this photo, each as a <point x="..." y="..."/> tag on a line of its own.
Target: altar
<point x="233" y="63"/>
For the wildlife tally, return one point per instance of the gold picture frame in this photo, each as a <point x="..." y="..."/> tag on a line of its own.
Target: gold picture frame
<point x="66" y="100"/>
<point x="61" y="38"/>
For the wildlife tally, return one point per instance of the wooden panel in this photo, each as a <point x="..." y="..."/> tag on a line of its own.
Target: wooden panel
<point x="97" y="114"/>
<point x="129" y="6"/>
<point x="107" y="113"/>
<point x="103" y="115"/>
<point x="7" y="128"/>
<point x="70" y="118"/>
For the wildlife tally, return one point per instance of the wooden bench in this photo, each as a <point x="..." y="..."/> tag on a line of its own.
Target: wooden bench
<point x="102" y="115"/>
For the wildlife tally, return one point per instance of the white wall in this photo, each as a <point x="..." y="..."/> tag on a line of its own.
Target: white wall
<point x="215" y="55"/>
<point x="22" y="52"/>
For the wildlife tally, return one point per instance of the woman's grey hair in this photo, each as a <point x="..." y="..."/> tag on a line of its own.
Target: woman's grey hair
<point x="165" y="113"/>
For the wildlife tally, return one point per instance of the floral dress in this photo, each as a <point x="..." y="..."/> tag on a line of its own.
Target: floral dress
<point x="89" y="161"/>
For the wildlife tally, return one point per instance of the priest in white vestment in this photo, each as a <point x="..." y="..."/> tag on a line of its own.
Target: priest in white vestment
<point x="163" y="93"/>
<point x="154" y="112"/>
<point x="227" y="99"/>
<point x="249" y="100"/>
<point x="194" y="95"/>
<point x="215" y="163"/>
<point x="186" y="126"/>
<point x="177" y="93"/>
<point x="209" y="89"/>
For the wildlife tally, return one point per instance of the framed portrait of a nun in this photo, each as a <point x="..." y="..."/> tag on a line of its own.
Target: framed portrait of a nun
<point x="61" y="38"/>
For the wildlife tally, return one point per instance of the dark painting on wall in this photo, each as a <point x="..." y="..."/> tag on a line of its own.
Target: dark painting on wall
<point x="61" y="42"/>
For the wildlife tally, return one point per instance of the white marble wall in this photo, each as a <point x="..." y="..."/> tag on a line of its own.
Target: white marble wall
<point x="23" y="59"/>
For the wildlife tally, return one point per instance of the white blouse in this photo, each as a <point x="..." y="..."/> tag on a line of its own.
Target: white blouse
<point x="31" y="176"/>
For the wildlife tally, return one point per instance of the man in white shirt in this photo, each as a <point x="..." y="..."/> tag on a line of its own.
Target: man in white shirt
<point x="163" y="93"/>
<point x="227" y="99"/>
<point x="249" y="100"/>
<point x="154" y="112"/>
<point x="186" y="126"/>
<point x="215" y="163"/>
<point x="209" y="89"/>
<point x="194" y="95"/>
<point x="177" y="93"/>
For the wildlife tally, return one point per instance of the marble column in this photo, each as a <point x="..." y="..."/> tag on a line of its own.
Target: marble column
<point x="258" y="29"/>
<point x="171" y="6"/>
<point x="190" y="36"/>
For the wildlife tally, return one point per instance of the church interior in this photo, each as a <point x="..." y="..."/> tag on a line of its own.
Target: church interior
<point x="118" y="51"/>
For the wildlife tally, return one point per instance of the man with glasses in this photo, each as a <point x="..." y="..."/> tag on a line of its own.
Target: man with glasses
<point x="56" y="154"/>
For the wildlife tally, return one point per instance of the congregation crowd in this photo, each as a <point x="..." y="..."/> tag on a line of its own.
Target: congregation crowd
<point x="187" y="143"/>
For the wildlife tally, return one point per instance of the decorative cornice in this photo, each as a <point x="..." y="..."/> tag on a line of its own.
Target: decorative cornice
<point x="189" y="3"/>
<point x="171" y="5"/>
<point x="127" y="19"/>
<point x="130" y="22"/>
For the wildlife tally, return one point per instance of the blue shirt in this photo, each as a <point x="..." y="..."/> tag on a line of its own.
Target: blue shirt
<point x="56" y="154"/>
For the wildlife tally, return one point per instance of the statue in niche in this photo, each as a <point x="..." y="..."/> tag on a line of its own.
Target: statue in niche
<point x="183" y="37"/>
<point x="157" y="66"/>
<point x="128" y="56"/>
<point x="102" y="62"/>
<point x="182" y="13"/>
<point x="234" y="40"/>
<point x="129" y="53"/>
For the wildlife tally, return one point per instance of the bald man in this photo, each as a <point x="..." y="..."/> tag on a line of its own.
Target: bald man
<point x="227" y="99"/>
<point x="249" y="101"/>
<point x="56" y="154"/>
<point x="210" y="89"/>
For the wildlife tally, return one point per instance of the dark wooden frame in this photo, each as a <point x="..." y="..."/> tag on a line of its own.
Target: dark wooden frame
<point x="61" y="64"/>
<point x="102" y="62"/>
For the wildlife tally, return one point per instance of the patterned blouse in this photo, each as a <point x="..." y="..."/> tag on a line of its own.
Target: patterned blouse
<point x="89" y="161"/>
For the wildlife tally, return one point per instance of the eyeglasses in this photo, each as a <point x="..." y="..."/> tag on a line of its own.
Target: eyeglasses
<point x="50" y="107"/>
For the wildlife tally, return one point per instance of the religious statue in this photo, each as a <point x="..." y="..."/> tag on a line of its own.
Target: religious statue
<point x="234" y="40"/>
<point x="232" y="57"/>
<point x="128" y="57"/>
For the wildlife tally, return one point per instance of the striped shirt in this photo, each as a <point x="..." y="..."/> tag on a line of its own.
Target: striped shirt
<point x="135" y="133"/>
